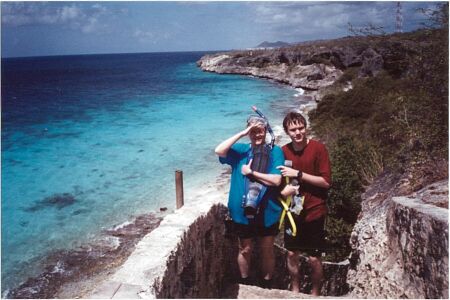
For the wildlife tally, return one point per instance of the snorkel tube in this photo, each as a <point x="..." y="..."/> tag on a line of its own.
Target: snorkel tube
<point x="272" y="136"/>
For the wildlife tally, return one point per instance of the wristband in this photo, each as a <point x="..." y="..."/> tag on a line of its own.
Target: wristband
<point x="299" y="176"/>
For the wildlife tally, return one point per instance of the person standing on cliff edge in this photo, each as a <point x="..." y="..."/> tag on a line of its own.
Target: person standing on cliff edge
<point x="249" y="223"/>
<point x="311" y="169"/>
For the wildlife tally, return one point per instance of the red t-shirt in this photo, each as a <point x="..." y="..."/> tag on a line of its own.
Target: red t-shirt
<point x="314" y="160"/>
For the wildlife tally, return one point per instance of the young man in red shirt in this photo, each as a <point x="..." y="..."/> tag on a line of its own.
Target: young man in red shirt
<point x="311" y="168"/>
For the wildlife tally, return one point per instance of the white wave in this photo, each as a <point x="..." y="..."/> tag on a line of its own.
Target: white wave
<point x="300" y="92"/>
<point x="59" y="268"/>
<point x="122" y="225"/>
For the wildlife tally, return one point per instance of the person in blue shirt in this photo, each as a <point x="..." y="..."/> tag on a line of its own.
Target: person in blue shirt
<point x="264" y="224"/>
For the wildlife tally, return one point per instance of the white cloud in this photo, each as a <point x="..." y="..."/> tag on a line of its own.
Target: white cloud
<point x="91" y="25"/>
<point x="68" y="13"/>
<point x="144" y="36"/>
<point x="75" y="16"/>
<point x="296" y="20"/>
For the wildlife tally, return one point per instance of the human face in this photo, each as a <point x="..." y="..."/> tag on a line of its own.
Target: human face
<point x="258" y="135"/>
<point x="297" y="133"/>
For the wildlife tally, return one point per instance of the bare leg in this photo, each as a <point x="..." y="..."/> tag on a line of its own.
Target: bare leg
<point x="244" y="256"/>
<point x="292" y="265"/>
<point x="316" y="275"/>
<point x="267" y="256"/>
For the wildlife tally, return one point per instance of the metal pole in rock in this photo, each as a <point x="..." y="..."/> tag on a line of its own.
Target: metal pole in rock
<point x="179" y="188"/>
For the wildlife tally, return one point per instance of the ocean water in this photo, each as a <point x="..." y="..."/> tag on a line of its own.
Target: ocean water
<point x="90" y="141"/>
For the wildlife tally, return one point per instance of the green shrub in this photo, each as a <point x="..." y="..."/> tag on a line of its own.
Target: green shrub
<point x="338" y="233"/>
<point x="349" y="74"/>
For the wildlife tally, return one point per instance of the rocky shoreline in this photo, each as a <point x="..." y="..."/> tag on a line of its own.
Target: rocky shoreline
<point x="78" y="273"/>
<point x="310" y="77"/>
<point x="316" y="66"/>
<point x="71" y="273"/>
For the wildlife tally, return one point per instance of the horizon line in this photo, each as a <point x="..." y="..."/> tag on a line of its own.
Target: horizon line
<point x="114" y="53"/>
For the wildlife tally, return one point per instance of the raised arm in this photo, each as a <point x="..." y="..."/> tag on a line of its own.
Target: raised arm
<point x="222" y="149"/>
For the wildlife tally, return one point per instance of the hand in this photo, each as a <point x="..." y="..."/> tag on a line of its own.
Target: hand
<point x="247" y="130"/>
<point x="290" y="190"/>
<point x="246" y="170"/>
<point x="287" y="172"/>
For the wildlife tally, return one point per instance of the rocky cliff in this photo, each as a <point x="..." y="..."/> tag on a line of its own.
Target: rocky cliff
<point x="316" y="65"/>
<point x="260" y="64"/>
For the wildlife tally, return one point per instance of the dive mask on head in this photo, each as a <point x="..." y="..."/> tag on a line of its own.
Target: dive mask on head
<point x="255" y="119"/>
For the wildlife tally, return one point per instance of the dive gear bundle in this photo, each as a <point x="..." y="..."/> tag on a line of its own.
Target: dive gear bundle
<point x="254" y="191"/>
<point x="291" y="205"/>
<point x="260" y="157"/>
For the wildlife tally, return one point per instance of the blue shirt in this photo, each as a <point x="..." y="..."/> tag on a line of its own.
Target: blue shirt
<point x="236" y="158"/>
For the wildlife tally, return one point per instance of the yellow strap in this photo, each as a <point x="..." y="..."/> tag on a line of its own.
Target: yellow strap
<point x="285" y="204"/>
<point x="289" y="214"/>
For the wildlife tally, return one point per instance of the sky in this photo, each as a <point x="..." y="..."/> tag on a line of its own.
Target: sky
<point x="67" y="28"/>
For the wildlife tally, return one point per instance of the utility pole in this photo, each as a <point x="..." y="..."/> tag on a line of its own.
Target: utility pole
<point x="399" y="18"/>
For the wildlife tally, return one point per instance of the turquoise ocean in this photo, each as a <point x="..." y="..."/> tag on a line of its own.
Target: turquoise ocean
<point x="89" y="142"/>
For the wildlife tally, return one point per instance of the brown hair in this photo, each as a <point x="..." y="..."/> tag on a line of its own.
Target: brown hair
<point x="293" y="117"/>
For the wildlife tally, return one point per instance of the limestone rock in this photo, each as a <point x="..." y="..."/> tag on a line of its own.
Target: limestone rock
<point x="400" y="244"/>
<point x="418" y="232"/>
<point x="372" y="63"/>
<point x="277" y="67"/>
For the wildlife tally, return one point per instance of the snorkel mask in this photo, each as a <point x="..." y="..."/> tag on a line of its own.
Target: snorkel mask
<point x="266" y="123"/>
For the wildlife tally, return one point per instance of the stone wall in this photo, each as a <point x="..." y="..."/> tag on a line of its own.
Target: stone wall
<point x="185" y="257"/>
<point x="400" y="243"/>
<point x="419" y="234"/>
<point x="189" y="256"/>
<point x="204" y="264"/>
<point x="197" y="268"/>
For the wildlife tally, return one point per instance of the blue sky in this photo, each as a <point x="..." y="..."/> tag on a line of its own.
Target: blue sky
<point x="60" y="28"/>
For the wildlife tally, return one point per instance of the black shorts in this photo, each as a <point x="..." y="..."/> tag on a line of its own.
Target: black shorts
<point x="244" y="231"/>
<point x="310" y="237"/>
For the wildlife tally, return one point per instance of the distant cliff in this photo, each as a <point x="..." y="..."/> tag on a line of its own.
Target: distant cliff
<point x="318" y="64"/>
<point x="278" y="44"/>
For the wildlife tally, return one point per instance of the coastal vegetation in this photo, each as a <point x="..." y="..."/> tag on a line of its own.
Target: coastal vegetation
<point x="392" y="122"/>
